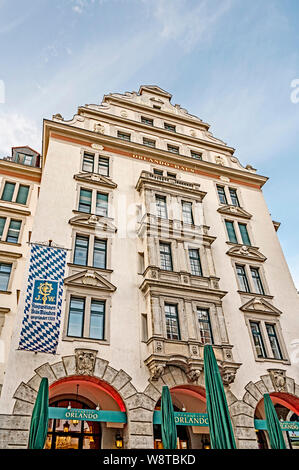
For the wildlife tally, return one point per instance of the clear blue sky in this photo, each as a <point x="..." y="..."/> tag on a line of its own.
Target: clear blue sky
<point x="231" y="62"/>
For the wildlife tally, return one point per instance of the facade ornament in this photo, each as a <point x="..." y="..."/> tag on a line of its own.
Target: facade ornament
<point x="90" y="278"/>
<point x="85" y="361"/>
<point x="158" y="346"/>
<point x="228" y="376"/>
<point x="278" y="377"/>
<point x="93" y="219"/>
<point x="99" y="128"/>
<point x="97" y="146"/>
<point x="58" y="117"/>
<point x="157" y="371"/>
<point x="123" y="113"/>
<point x="193" y="133"/>
<point x="154" y="274"/>
<point x="224" y="178"/>
<point x="219" y="160"/>
<point x="193" y="375"/>
<point x="194" y="350"/>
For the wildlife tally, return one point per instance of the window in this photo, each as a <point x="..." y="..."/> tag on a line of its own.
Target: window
<point x="13" y="231"/>
<point x="244" y="234"/>
<point x="196" y="155"/>
<point x="102" y="204"/>
<point x="5" y="270"/>
<point x="22" y="194"/>
<point x="234" y="197"/>
<point x="205" y="330"/>
<point x="231" y="231"/>
<point x="99" y="253"/>
<point x="155" y="106"/>
<point x="2" y="224"/>
<point x="123" y="136"/>
<point x="273" y="341"/>
<point x="172" y="149"/>
<point x="165" y="255"/>
<point x="187" y="212"/>
<point x="161" y="206"/>
<point x="258" y="286"/>
<point x="169" y="127"/>
<point x="158" y="172"/>
<point x="8" y="191"/>
<point x="171" y="175"/>
<point x="195" y="262"/>
<point x="147" y="121"/>
<point x="103" y="166"/>
<point x="257" y="339"/>
<point x="88" y="162"/>
<point x="85" y="200"/>
<point x="24" y="159"/>
<point x="81" y="250"/>
<point x="149" y="142"/>
<point x="243" y="281"/>
<point x="221" y="194"/>
<point x="76" y="317"/>
<point x="97" y="320"/>
<point x="172" y="321"/>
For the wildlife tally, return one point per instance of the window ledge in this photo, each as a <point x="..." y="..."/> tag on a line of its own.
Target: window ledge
<point x="254" y="294"/>
<point x="7" y="292"/>
<point x="85" y="266"/>
<point x="72" y="339"/>
<point x="10" y="243"/>
<point x="271" y="359"/>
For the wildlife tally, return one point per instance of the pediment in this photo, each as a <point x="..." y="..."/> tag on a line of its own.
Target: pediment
<point x="154" y="89"/>
<point x="95" y="178"/>
<point x="90" y="278"/>
<point x="234" y="211"/>
<point x="93" y="221"/>
<point x="246" y="252"/>
<point x="260" y="305"/>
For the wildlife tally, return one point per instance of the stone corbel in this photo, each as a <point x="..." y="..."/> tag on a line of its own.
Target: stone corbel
<point x="228" y="375"/>
<point x="194" y="374"/>
<point x="157" y="371"/>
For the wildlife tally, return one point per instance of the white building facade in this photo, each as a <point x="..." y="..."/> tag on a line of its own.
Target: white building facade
<point x="170" y="246"/>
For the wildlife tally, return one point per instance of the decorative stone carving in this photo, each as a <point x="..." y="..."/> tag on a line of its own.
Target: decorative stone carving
<point x="97" y="146"/>
<point x="93" y="219"/>
<point x="154" y="274"/>
<point x="85" y="361"/>
<point x="278" y="377"/>
<point x="158" y="347"/>
<point x="249" y="252"/>
<point x="194" y="350"/>
<point x="219" y="160"/>
<point x="224" y="178"/>
<point x="193" y="375"/>
<point x="234" y="210"/>
<point x="258" y="304"/>
<point x="99" y="128"/>
<point x="58" y="117"/>
<point x="228" y="375"/>
<point x="157" y="371"/>
<point x="90" y="278"/>
<point x="123" y="113"/>
<point x="193" y="133"/>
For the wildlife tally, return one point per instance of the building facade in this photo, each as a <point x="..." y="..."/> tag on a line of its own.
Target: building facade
<point x="170" y="246"/>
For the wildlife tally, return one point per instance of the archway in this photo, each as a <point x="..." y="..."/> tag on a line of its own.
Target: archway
<point x="87" y="393"/>
<point x="186" y="399"/>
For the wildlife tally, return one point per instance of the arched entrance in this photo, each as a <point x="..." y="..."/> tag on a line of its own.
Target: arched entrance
<point x="186" y="399"/>
<point x="86" y="393"/>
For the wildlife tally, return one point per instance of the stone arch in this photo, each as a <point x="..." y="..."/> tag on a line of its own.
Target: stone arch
<point x="243" y="411"/>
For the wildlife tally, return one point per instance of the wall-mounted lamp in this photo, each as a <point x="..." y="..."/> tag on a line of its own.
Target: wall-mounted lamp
<point x="118" y="441"/>
<point x="66" y="427"/>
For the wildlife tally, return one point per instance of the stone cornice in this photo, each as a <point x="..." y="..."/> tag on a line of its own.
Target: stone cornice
<point x="13" y="210"/>
<point x="16" y="170"/>
<point x="10" y="255"/>
<point x="86" y="138"/>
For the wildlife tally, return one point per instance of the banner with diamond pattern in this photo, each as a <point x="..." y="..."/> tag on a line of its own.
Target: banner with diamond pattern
<point x="42" y="313"/>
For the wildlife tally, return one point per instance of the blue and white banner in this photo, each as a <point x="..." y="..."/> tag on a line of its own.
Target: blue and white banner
<point x="42" y="313"/>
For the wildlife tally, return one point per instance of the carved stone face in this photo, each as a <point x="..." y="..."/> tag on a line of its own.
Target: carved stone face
<point x="85" y="362"/>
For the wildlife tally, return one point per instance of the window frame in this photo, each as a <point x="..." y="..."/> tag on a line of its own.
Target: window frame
<point x="164" y="206"/>
<point x="92" y="238"/>
<point x="169" y="127"/>
<point x="9" y="275"/>
<point x="248" y="291"/>
<point x="174" y="147"/>
<point x="274" y="335"/>
<point x="260" y="336"/>
<point x="161" y="243"/>
<point x="208" y="322"/>
<point x="124" y="134"/>
<point x="190" y="205"/>
<point x="97" y="156"/>
<point x="17" y="185"/>
<point x="177" y="320"/>
<point x="197" y="259"/>
<point x="220" y="193"/>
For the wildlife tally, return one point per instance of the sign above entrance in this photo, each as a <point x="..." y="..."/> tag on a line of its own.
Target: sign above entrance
<point x="260" y="424"/>
<point x="87" y="415"/>
<point x="185" y="419"/>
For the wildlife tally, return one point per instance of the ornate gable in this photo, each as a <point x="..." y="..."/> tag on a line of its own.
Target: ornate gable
<point x="90" y="278"/>
<point x="260" y="305"/>
<point x="247" y="252"/>
<point x="234" y="211"/>
<point x="93" y="221"/>
<point x="96" y="179"/>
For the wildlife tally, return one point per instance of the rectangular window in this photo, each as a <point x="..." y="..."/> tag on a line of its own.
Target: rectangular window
<point x="76" y="317"/>
<point x="99" y="253"/>
<point x="103" y="168"/>
<point x="2" y="224"/>
<point x="147" y="121"/>
<point x="97" y="320"/>
<point x="243" y="281"/>
<point x="257" y="339"/>
<point x="244" y="234"/>
<point x="169" y="127"/>
<point x="158" y="172"/>
<point x="231" y="231"/>
<point x="85" y="200"/>
<point x="196" y="155"/>
<point x="172" y="321"/>
<point x="155" y="106"/>
<point x="8" y="191"/>
<point x="161" y="206"/>
<point x="195" y="262"/>
<point x="172" y="149"/>
<point x="24" y="159"/>
<point x="233" y="197"/>
<point x="102" y="204"/>
<point x="81" y="250"/>
<point x="187" y="212"/>
<point x="258" y="286"/>
<point x="88" y="162"/>
<point x="273" y="341"/>
<point x="123" y="136"/>
<point x="205" y="330"/>
<point x="221" y="194"/>
<point x="149" y="142"/>
<point x="13" y="231"/>
<point x="22" y="194"/>
<point x="171" y="175"/>
<point x="165" y="255"/>
<point x="5" y="270"/>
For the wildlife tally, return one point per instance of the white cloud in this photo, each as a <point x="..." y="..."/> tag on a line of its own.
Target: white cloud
<point x="17" y="129"/>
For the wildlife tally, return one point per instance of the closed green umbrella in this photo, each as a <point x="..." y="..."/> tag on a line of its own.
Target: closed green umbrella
<point x="221" y="431"/>
<point x="273" y="425"/>
<point x="168" y="426"/>
<point x="39" y="419"/>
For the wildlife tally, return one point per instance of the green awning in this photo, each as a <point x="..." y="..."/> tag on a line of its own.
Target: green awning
<point x="273" y="425"/>
<point x="39" y="419"/>
<point x="168" y="426"/>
